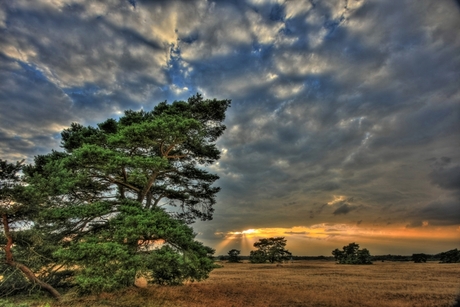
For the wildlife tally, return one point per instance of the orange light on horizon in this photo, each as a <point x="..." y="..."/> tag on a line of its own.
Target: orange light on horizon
<point x="337" y="233"/>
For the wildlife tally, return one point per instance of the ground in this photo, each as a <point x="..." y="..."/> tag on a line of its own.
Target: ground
<point x="301" y="283"/>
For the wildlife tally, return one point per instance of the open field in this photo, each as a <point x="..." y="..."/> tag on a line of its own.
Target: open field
<point x="302" y="283"/>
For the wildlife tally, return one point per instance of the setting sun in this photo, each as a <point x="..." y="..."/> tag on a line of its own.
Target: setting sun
<point x="322" y="238"/>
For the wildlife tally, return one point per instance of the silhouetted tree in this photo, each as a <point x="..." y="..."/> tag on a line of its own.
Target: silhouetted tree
<point x="271" y="250"/>
<point x="419" y="258"/>
<point x="338" y="254"/>
<point x="233" y="255"/>
<point x="351" y="254"/>
<point x="452" y="256"/>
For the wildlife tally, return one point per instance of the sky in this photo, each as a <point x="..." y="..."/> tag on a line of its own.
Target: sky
<point x="345" y="117"/>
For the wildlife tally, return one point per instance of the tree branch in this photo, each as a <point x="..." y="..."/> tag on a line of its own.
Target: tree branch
<point x="112" y="180"/>
<point x="145" y="190"/>
<point x="24" y="269"/>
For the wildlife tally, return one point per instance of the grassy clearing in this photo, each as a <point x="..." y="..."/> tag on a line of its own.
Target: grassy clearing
<point x="303" y="283"/>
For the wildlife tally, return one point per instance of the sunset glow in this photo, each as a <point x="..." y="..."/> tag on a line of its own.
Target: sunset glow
<point x="302" y="237"/>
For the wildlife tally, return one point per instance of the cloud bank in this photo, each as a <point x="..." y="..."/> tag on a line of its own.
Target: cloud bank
<point x="344" y="112"/>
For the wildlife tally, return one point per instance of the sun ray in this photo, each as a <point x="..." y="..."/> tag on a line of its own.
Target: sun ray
<point x="330" y="234"/>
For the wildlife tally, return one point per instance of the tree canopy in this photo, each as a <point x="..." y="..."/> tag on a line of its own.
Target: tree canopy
<point x="125" y="187"/>
<point x="451" y="256"/>
<point x="233" y="255"/>
<point x="351" y="254"/>
<point x="151" y="157"/>
<point x="271" y="250"/>
<point x="419" y="258"/>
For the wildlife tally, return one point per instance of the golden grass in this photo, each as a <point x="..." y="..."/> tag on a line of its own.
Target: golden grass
<point x="302" y="283"/>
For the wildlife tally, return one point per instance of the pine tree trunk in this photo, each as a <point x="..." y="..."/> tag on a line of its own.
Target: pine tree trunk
<point x="143" y="193"/>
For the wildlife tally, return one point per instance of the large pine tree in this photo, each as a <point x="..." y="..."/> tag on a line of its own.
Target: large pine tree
<point x="122" y="186"/>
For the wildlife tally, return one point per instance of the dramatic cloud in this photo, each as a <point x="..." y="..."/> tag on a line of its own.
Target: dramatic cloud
<point x="344" y="209"/>
<point x="446" y="177"/>
<point x="343" y="112"/>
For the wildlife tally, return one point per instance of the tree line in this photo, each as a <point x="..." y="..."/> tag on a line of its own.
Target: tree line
<point x="273" y="250"/>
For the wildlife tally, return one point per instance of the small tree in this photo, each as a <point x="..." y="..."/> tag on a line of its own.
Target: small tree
<point x="233" y="255"/>
<point x="351" y="254"/>
<point x="419" y="258"/>
<point x="271" y="250"/>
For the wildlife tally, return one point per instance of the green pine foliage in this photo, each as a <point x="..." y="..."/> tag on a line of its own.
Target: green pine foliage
<point x="97" y="209"/>
<point x="23" y="249"/>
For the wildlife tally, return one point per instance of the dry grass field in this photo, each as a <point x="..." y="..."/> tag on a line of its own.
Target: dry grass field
<point x="302" y="283"/>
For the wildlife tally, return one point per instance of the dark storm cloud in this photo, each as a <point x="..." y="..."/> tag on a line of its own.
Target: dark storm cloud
<point x="344" y="209"/>
<point x="391" y="94"/>
<point x="331" y="100"/>
<point x="438" y="213"/>
<point x="446" y="177"/>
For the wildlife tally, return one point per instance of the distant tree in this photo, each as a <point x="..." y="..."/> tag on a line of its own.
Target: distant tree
<point x="351" y="254"/>
<point x="451" y="256"/>
<point x="233" y="255"/>
<point x="271" y="250"/>
<point x="338" y="254"/>
<point x="257" y="256"/>
<point x="364" y="256"/>
<point x="419" y="258"/>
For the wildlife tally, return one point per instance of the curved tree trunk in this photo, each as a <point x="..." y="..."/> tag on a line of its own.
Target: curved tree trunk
<point x="34" y="279"/>
<point x="23" y="268"/>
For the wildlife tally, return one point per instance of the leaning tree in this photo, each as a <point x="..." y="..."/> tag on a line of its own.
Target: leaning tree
<point x="128" y="185"/>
